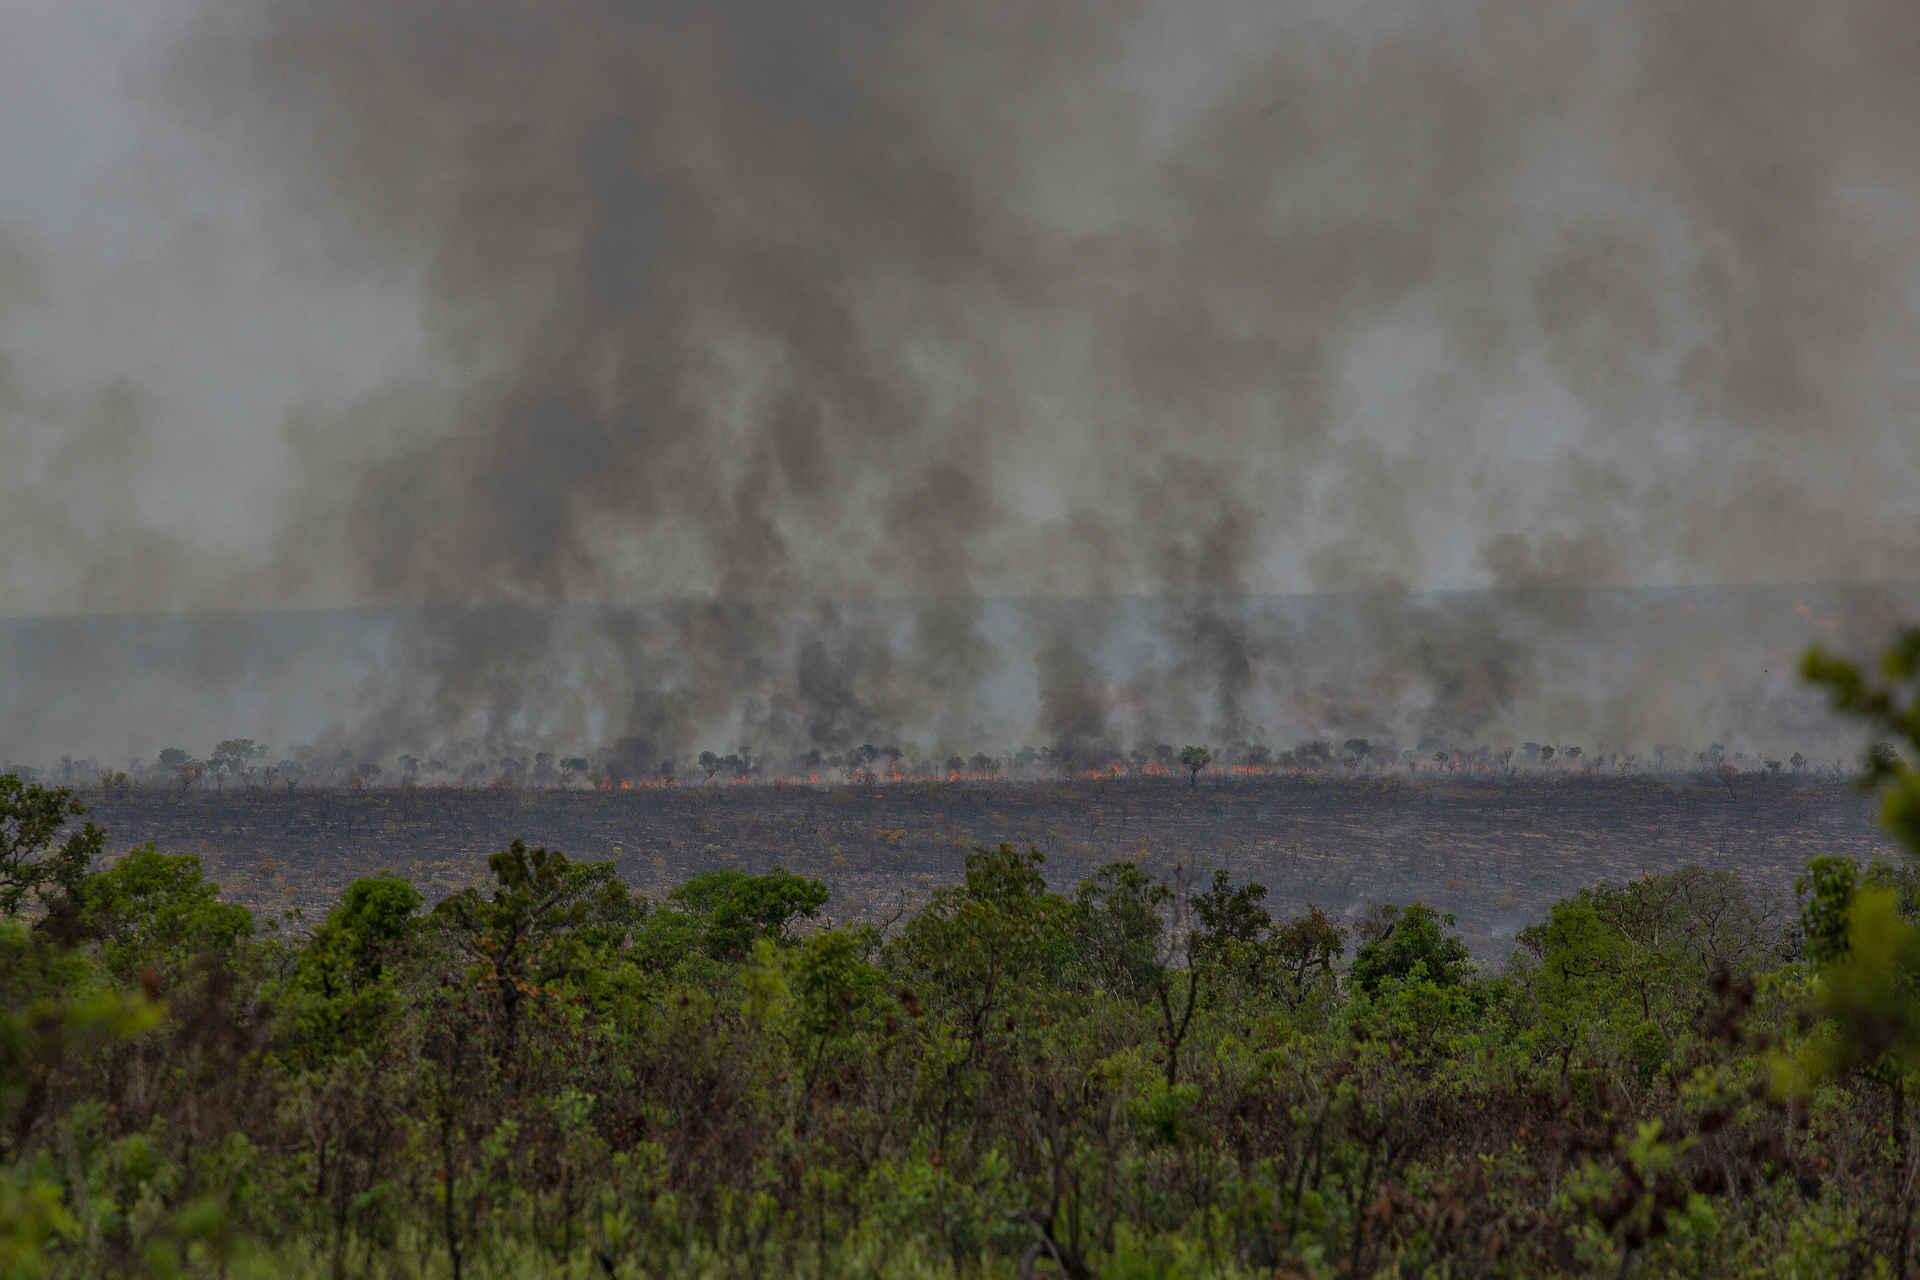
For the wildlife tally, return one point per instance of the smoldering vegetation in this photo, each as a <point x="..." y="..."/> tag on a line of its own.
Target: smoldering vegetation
<point x="1034" y="687"/>
<point x="1127" y="375"/>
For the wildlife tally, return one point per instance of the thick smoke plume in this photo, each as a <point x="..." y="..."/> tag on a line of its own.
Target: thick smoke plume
<point x="751" y="374"/>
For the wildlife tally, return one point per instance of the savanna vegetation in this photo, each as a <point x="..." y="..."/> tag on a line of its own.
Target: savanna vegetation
<point x="1140" y="1076"/>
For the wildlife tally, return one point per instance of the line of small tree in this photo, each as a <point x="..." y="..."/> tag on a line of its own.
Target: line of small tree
<point x="247" y="765"/>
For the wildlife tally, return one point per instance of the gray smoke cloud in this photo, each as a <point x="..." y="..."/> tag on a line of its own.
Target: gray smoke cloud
<point x="744" y="374"/>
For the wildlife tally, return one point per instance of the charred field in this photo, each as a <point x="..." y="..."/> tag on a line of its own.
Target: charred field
<point x="1496" y="852"/>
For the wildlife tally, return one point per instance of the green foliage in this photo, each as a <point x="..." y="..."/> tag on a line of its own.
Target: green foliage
<point x="342" y="995"/>
<point x="34" y="860"/>
<point x="1227" y="914"/>
<point x="152" y="911"/>
<point x="539" y="898"/>
<point x="1636" y="964"/>
<point x="1304" y="952"/>
<point x="1890" y="705"/>
<point x="1855" y="927"/>
<point x="732" y="910"/>
<point x="374" y="916"/>
<point x="1136" y="938"/>
<point x="1193" y="759"/>
<point x="549" y="923"/>
<point x="974" y="948"/>
<point x="1410" y="943"/>
<point x="1827" y="887"/>
<point x="55" y="1004"/>
<point x="1869" y="993"/>
<point x="34" y="1221"/>
<point x="1118" y="927"/>
<point x="837" y="985"/>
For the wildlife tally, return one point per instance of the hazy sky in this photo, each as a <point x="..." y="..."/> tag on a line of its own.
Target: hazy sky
<point x="642" y="300"/>
<point x="323" y="302"/>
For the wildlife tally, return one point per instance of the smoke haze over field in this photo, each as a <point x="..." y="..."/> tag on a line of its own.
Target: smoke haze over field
<point x="961" y="374"/>
<point x="1612" y="670"/>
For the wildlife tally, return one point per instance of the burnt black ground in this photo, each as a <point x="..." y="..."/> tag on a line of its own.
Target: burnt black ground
<point x="1497" y="852"/>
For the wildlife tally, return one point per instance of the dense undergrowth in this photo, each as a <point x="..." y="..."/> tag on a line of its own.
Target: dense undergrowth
<point x="556" y="1076"/>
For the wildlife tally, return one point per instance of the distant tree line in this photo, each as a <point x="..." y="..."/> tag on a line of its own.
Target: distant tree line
<point x="245" y="765"/>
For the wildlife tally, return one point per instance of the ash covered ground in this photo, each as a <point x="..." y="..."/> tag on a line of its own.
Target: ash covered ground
<point x="1495" y="852"/>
